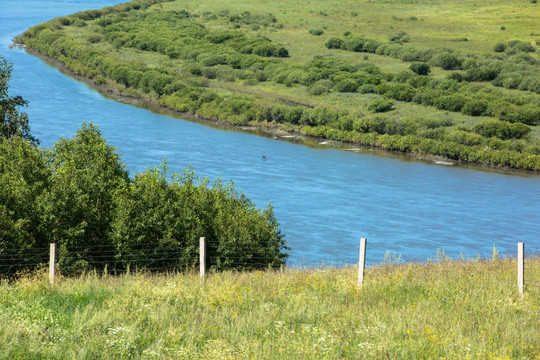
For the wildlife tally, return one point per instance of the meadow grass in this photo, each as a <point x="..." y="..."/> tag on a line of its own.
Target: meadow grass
<point x="448" y="309"/>
<point x="429" y="23"/>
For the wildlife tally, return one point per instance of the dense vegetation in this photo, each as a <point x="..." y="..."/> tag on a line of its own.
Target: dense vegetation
<point x="447" y="310"/>
<point x="478" y="106"/>
<point x="78" y="194"/>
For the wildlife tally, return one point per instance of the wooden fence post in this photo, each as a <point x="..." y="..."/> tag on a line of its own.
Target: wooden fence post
<point x="52" y="261"/>
<point x="521" y="268"/>
<point x="362" y="262"/>
<point x="202" y="256"/>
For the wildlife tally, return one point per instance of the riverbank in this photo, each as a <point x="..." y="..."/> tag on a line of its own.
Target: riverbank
<point x="449" y="309"/>
<point x="222" y="72"/>
<point x="283" y="132"/>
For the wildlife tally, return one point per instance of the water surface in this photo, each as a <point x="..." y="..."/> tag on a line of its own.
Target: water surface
<point x="325" y="199"/>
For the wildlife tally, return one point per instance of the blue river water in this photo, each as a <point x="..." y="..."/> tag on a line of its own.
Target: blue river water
<point x="325" y="199"/>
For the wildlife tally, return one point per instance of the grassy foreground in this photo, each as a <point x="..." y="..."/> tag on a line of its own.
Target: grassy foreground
<point x="450" y="310"/>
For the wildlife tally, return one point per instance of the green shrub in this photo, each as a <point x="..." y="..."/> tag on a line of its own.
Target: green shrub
<point x="499" y="47"/>
<point x="516" y="45"/>
<point x="447" y="61"/>
<point x="280" y="52"/>
<point x="266" y="50"/>
<point x="355" y="44"/>
<point x="212" y="60"/>
<point x="171" y="216"/>
<point x="366" y="89"/>
<point x="465" y="138"/>
<point x="475" y="107"/>
<point x="400" y="37"/>
<point x="320" y="87"/>
<point x="316" y="32"/>
<point x="347" y="85"/>
<point x="194" y="69"/>
<point x="334" y="43"/>
<point x="452" y="102"/>
<point x="65" y="21"/>
<point x="401" y="92"/>
<point x="501" y="129"/>
<point x="381" y="105"/>
<point x="208" y="73"/>
<point x="418" y="81"/>
<point x="420" y="68"/>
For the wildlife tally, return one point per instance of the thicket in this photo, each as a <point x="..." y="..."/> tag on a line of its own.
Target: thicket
<point x="13" y="123"/>
<point x="230" y="56"/>
<point x="79" y="195"/>
<point x="511" y="67"/>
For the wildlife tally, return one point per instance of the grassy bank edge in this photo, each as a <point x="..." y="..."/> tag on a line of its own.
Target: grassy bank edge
<point x="283" y="132"/>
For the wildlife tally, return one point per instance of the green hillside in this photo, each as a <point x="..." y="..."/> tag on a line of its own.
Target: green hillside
<point x="452" y="79"/>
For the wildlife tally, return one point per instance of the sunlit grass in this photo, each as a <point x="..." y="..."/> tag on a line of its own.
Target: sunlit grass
<point x="451" y="310"/>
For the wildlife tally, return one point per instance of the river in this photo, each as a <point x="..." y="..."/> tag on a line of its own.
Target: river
<point x="325" y="199"/>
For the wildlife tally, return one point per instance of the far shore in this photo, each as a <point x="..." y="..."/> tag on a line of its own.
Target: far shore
<point x="271" y="130"/>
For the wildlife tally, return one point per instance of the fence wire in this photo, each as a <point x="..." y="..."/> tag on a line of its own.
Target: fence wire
<point x="117" y="259"/>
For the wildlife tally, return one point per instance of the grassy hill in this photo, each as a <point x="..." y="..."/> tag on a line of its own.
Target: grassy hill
<point x="450" y="79"/>
<point x="446" y="310"/>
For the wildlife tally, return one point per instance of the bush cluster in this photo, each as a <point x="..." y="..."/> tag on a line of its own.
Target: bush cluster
<point x="79" y="195"/>
<point x="516" y="70"/>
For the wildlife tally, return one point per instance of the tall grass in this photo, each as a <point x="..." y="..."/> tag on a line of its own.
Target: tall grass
<point x="450" y="309"/>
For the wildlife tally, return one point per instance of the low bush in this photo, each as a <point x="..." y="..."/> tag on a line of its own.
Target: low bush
<point x="501" y="129"/>
<point x="420" y="68"/>
<point x="381" y="105"/>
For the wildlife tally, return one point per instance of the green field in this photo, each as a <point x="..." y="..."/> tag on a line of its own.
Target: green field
<point x="453" y="79"/>
<point x="443" y="310"/>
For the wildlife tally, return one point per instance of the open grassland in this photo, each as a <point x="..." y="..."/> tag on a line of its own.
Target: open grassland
<point x="447" y="310"/>
<point x="429" y="23"/>
<point x="453" y="79"/>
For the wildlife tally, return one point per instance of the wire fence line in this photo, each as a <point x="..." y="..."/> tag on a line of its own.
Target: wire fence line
<point x="120" y="260"/>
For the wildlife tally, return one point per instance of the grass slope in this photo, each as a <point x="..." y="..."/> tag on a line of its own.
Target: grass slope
<point x="447" y="310"/>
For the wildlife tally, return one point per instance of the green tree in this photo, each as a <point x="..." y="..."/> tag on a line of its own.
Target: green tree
<point x="12" y="122"/>
<point x="153" y="224"/>
<point x="79" y="208"/>
<point x="24" y="177"/>
<point x="159" y="223"/>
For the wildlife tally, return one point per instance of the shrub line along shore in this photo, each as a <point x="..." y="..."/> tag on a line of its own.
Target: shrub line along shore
<point x="275" y="131"/>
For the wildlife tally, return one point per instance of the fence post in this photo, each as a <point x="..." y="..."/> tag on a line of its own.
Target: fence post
<point x="521" y="267"/>
<point x="202" y="255"/>
<point x="52" y="261"/>
<point x="362" y="262"/>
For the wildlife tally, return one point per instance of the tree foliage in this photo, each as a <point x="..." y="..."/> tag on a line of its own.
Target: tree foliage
<point x="12" y="122"/>
<point x="79" y="195"/>
<point x="24" y="178"/>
